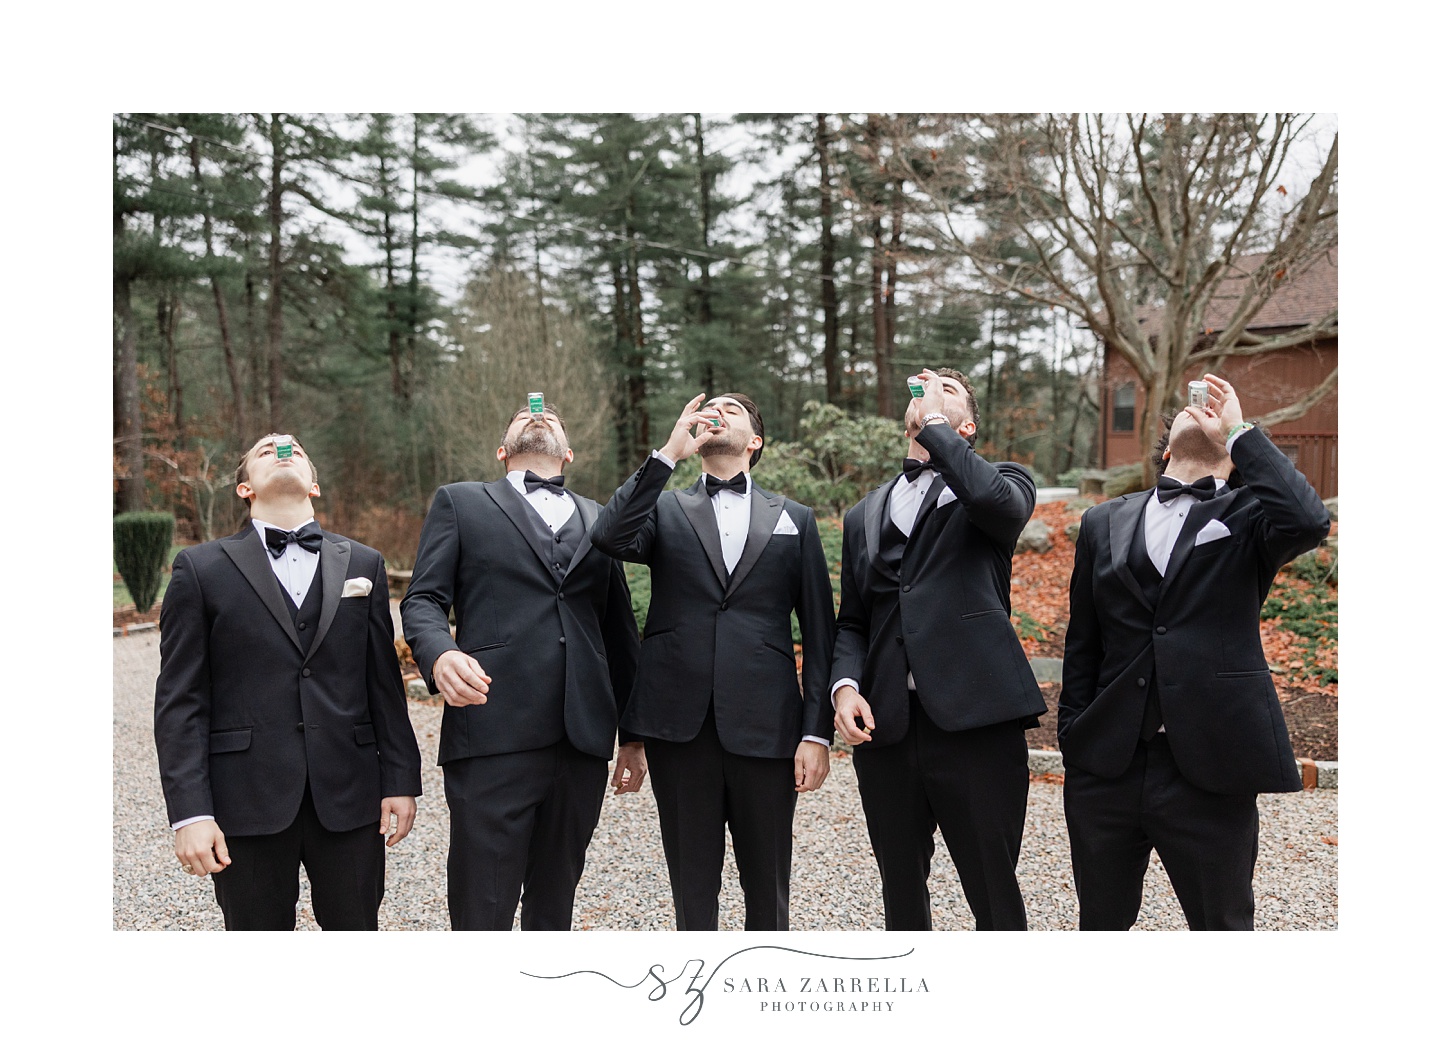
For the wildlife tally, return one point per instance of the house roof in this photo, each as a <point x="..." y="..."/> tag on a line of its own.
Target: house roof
<point x="1305" y="296"/>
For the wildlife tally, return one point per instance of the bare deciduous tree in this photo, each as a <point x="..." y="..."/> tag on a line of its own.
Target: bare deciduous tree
<point x="1115" y="216"/>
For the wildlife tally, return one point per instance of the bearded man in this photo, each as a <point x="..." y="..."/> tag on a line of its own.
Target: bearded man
<point x="533" y="681"/>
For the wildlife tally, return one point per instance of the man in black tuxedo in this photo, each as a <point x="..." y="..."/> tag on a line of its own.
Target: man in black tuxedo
<point x="731" y="734"/>
<point x="282" y="729"/>
<point x="1168" y="720"/>
<point x="932" y="686"/>
<point x="533" y="683"/>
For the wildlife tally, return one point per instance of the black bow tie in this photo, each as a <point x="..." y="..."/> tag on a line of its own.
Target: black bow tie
<point x="714" y="485"/>
<point x="308" y="537"/>
<point x="553" y="485"/>
<point x="1200" y="489"/>
<point x="911" y="468"/>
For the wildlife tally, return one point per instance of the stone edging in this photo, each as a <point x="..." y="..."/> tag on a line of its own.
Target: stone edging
<point x="1322" y="775"/>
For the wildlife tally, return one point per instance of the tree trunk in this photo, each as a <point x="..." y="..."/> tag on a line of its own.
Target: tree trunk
<point x="894" y="251"/>
<point x="705" y="304"/>
<point x="234" y="382"/>
<point x="635" y="390"/>
<point x="274" y="281"/>
<point x="131" y="486"/>
<point x="411" y="350"/>
<point x="167" y="309"/>
<point x="879" y="312"/>
<point x="831" y="356"/>
<point x="625" y="458"/>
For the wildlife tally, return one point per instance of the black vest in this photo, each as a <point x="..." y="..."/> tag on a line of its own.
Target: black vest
<point x="563" y="544"/>
<point x="306" y="615"/>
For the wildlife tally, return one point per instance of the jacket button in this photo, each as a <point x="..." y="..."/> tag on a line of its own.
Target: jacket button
<point x="302" y="626"/>
<point x="301" y="727"/>
<point x="561" y="596"/>
<point x="724" y="606"/>
<point x="1143" y="682"/>
<point x="561" y="639"/>
<point x="1161" y="630"/>
<point x="901" y="640"/>
<point x="906" y="588"/>
<point x="307" y="672"/>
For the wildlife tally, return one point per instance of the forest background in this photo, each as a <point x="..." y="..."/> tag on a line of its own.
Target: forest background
<point x="389" y="286"/>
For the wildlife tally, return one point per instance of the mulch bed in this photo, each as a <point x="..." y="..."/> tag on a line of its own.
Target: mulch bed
<point x="1311" y="717"/>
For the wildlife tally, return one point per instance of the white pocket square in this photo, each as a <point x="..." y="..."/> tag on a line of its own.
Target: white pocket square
<point x="784" y="526"/>
<point x="1213" y="530"/>
<point x="357" y="587"/>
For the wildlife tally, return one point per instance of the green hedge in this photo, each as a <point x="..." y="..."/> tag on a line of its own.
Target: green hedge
<point x="141" y="542"/>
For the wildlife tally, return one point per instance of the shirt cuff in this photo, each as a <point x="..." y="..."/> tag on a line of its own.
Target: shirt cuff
<point x="663" y="458"/>
<point x="816" y="739"/>
<point x="189" y="822"/>
<point x="844" y="681"/>
<point x="1229" y="445"/>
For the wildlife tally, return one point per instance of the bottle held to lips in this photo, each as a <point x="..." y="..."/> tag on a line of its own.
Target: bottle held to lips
<point x="1199" y="393"/>
<point x="284" y="446"/>
<point x="915" y="386"/>
<point x="536" y="404"/>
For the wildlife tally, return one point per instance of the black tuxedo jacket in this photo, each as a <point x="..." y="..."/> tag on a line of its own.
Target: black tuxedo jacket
<point x="561" y="650"/>
<point x="710" y="634"/>
<point x="247" y="712"/>
<point x="945" y="614"/>
<point x="1200" y="643"/>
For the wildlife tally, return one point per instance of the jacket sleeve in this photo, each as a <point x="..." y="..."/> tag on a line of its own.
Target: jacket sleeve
<point x="998" y="498"/>
<point x="1294" y="519"/>
<point x="399" y="761"/>
<point x="854" y="618"/>
<point x="622" y="643"/>
<point x="430" y="594"/>
<point x="818" y="631"/>
<point x="625" y="528"/>
<point x="1083" y="642"/>
<point x="183" y="710"/>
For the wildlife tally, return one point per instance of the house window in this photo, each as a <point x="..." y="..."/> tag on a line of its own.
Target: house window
<point x="1292" y="451"/>
<point x="1123" y="407"/>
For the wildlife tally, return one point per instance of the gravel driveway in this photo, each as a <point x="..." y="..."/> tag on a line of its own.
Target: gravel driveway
<point x="834" y="878"/>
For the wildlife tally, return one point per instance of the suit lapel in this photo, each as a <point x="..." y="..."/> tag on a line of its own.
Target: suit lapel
<point x="588" y="512"/>
<point x="701" y="515"/>
<point x="1124" y="519"/>
<point x="764" y="513"/>
<point x="1198" y="515"/>
<point x="512" y="504"/>
<point x="332" y="570"/>
<point x="876" y="506"/>
<point x="247" y="552"/>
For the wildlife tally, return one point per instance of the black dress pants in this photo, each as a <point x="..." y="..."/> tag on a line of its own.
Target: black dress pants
<point x="974" y="785"/>
<point x="700" y="789"/>
<point x="259" y="891"/>
<point x="520" y="824"/>
<point x="1208" y="843"/>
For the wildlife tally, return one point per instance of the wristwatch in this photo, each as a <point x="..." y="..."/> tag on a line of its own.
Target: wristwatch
<point x="934" y="416"/>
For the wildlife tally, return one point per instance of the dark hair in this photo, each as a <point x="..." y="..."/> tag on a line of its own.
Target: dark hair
<point x="247" y="453"/>
<point x="549" y="408"/>
<point x="753" y="412"/>
<point x="961" y="379"/>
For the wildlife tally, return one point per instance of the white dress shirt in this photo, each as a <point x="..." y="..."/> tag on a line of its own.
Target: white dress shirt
<point x="554" y="509"/>
<point x="295" y="567"/>
<point x="1163" y="522"/>
<point x="733" y="520"/>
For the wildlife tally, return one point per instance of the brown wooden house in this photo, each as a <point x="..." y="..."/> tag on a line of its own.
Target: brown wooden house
<point x="1265" y="383"/>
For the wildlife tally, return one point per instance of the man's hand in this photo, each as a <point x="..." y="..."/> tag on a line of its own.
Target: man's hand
<point x="932" y="401"/>
<point x="812" y="765"/>
<point x="461" y="680"/>
<point x="630" y="768"/>
<point x="1223" y="412"/>
<point x="202" y="849"/>
<point x="405" y="808"/>
<point x="681" y="443"/>
<point x="850" y="705"/>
